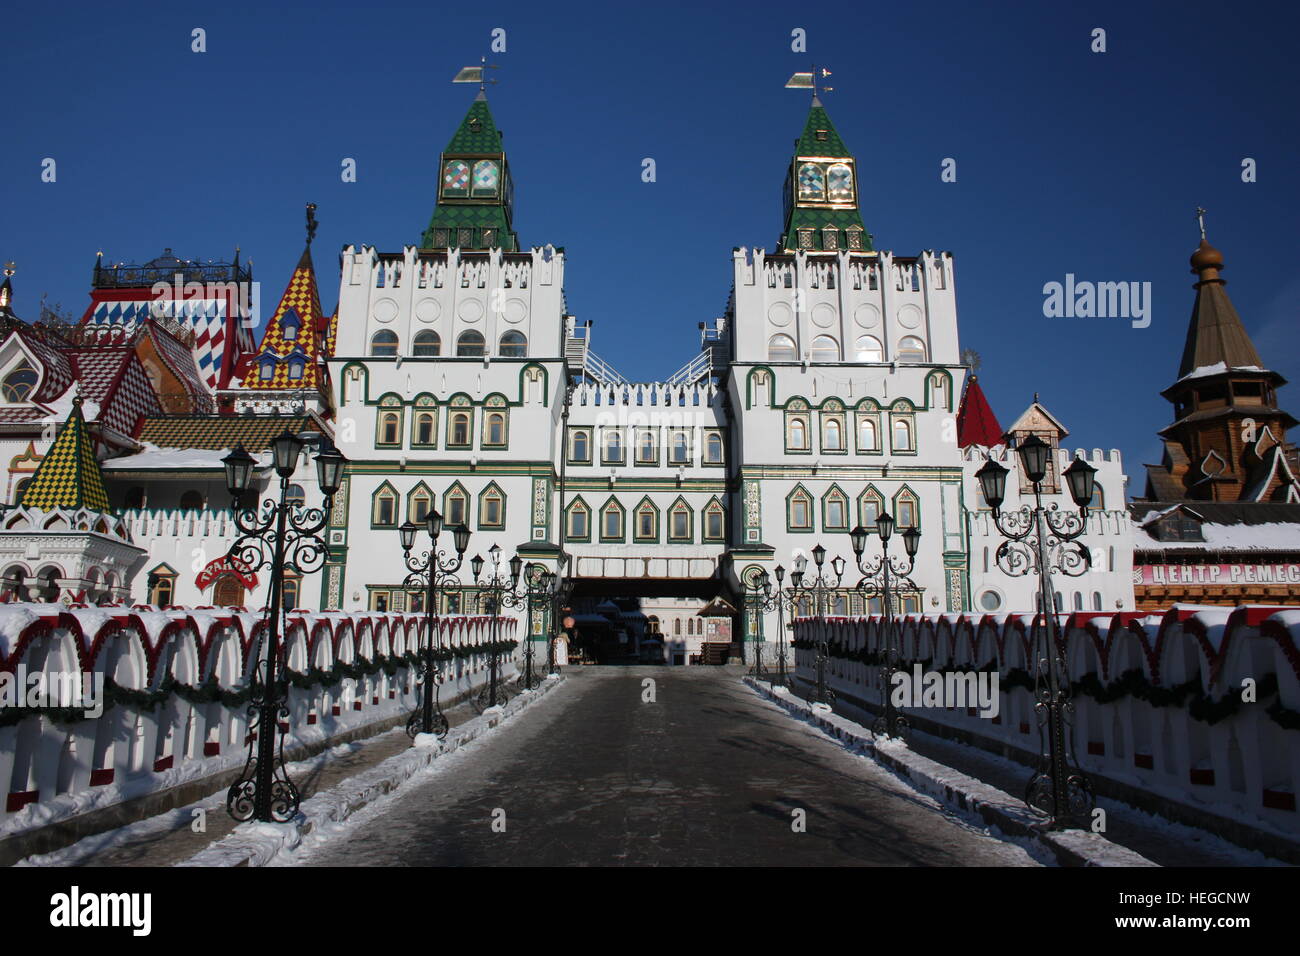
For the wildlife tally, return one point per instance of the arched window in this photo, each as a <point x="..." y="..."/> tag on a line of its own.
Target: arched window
<point x="460" y="422"/>
<point x="680" y="449"/>
<point x="297" y="365"/>
<point x="1096" y="600"/>
<point x="426" y="429"/>
<point x="613" y="448"/>
<point x="289" y="325"/>
<point x="825" y="348"/>
<point x="383" y="342"/>
<point x="20" y="381"/>
<point x="1098" y="502"/>
<point x="832" y="435"/>
<point x="470" y="344"/>
<point x="295" y="497"/>
<point x="870" y="504"/>
<point x="290" y="593"/>
<point x="581" y="446"/>
<point x="513" y="345"/>
<point x="812" y="182"/>
<point x="192" y="501"/>
<point x="390" y="428"/>
<point x="677" y="627"/>
<point x="798" y="434"/>
<point x="427" y="343"/>
<point x="780" y="348"/>
<point x="906" y="514"/>
<point x="384" y="513"/>
<point x="868" y="349"/>
<point x="713" y="449"/>
<point x="1078" y="600"/>
<point x="903" y="435"/>
<point x="940" y="396"/>
<point x="494" y="429"/>
<point x="646" y="446"/>
<point x="163" y="587"/>
<point x="868" y="434"/>
<point x="911" y="349"/>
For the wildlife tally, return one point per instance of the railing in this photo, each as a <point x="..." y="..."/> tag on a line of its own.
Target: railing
<point x="596" y="367"/>
<point x="696" y="370"/>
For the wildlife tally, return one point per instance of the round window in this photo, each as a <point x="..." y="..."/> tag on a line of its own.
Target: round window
<point x="990" y="600"/>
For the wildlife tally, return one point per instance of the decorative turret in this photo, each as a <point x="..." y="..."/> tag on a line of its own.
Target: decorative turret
<point x="821" y="192"/>
<point x="69" y="476"/>
<point x="1227" y="440"/>
<point x="475" y="192"/>
<point x="976" y="423"/>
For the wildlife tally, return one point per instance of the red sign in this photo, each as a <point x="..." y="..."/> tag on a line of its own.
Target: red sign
<point x="1224" y="575"/>
<point x="226" y="565"/>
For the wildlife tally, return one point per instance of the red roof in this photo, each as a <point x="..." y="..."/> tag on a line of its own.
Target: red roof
<point x="976" y="423"/>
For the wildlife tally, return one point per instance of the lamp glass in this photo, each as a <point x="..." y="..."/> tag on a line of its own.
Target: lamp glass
<point x="993" y="483"/>
<point x="407" y="531"/>
<point x="1033" y="453"/>
<point x="1079" y="476"/>
<point x="433" y="522"/>
<point x="911" y="541"/>
<point x="885" y="525"/>
<point x="461" y="535"/>
<point x="239" y="470"/>
<point x="329" y="470"/>
<point x="285" y="449"/>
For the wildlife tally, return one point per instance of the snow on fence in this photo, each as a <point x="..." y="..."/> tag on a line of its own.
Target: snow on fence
<point x="173" y="685"/>
<point x="1158" y="697"/>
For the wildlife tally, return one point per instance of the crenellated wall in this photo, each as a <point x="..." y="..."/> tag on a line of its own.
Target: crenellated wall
<point x="1158" y="697"/>
<point x="175" y="685"/>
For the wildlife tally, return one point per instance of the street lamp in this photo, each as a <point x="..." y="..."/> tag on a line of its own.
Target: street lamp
<point x="432" y="569"/>
<point x="765" y="598"/>
<point x="1044" y="540"/>
<point x="500" y="591"/>
<point x="882" y="578"/>
<point x="818" y="588"/>
<point x="282" y="537"/>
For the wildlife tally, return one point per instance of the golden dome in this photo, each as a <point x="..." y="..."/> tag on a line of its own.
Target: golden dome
<point x="1206" y="257"/>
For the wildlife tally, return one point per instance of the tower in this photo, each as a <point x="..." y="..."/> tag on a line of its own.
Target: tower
<point x="1227" y="442"/>
<point x="475" y="192"/>
<point x="821" y="191"/>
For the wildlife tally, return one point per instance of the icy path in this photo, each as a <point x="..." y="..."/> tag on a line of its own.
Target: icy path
<point x="708" y="774"/>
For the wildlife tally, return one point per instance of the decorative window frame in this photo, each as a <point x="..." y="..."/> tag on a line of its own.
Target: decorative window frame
<point x="639" y="431"/>
<point x="612" y="506"/>
<point x="673" y="435"/>
<point x="496" y="405"/>
<point x="760" y="377"/>
<point x="681" y="506"/>
<point x="424" y="405"/>
<point x="637" y="536"/>
<point x="939" y="379"/>
<point x="905" y="493"/>
<point x="706" y="436"/>
<point x="578" y="503"/>
<point x="389" y="405"/>
<point x="797" y="409"/>
<point x="903" y="411"/>
<point x="867" y="410"/>
<point x="570" y="457"/>
<point x="605" y="434"/>
<point x="460" y="404"/>
<point x="714" y="506"/>
<point x="837" y="493"/>
<point x="832" y="410"/>
<point x="456" y="490"/>
<point x="799" y="491"/>
<point x="870" y="493"/>
<point x="417" y="491"/>
<point x="165" y="573"/>
<point x="483" y="524"/>
<point x="385" y="491"/>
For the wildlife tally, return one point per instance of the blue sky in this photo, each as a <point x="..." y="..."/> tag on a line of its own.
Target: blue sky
<point x="1068" y="161"/>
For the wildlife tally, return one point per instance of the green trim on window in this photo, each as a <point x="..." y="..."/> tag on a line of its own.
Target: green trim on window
<point x="833" y="491"/>
<point x="374" y="506"/>
<point x="790" y="527"/>
<point x="640" y="431"/>
<point x="704" y="522"/>
<point x="622" y="521"/>
<point x="637" y="536"/>
<point x="568" y="511"/>
<point x="573" y="435"/>
<point x="455" y="487"/>
<point x="674" y="509"/>
<point x="482" y="499"/>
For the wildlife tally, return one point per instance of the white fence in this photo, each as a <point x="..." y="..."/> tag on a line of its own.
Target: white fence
<point x="1162" y="701"/>
<point x="173" y="688"/>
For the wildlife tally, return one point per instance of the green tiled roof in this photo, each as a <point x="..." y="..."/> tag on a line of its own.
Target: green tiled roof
<point x="470" y="217"/>
<point x="810" y="145"/>
<point x="219" y="432"/>
<point x="69" y="475"/>
<point x="477" y="132"/>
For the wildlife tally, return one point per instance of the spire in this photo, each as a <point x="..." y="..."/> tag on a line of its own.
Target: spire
<point x="1215" y="335"/>
<point x="976" y="423"/>
<point x="821" y="191"/>
<point x="69" y="475"/>
<point x="297" y="332"/>
<point x="475" y="193"/>
<point x="7" y="291"/>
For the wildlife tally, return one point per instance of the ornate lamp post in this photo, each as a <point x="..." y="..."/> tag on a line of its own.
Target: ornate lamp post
<point x="817" y="589"/>
<point x="499" y="592"/>
<point x="431" y="570"/>
<point x="554" y="587"/>
<point x="764" y="598"/>
<point x="1044" y="540"/>
<point x="282" y="537"/>
<point x="882" y="577"/>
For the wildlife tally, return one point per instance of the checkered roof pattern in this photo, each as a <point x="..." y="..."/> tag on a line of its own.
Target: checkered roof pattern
<point x="68" y="475"/>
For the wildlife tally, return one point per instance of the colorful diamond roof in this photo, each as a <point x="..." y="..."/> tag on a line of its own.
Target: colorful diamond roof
<point x="477" y="132"/>
<point x="68" y="476"/>
<point x="216" y="433"/>
<point x="819" y="136"/>
<point x="296" y="337"/>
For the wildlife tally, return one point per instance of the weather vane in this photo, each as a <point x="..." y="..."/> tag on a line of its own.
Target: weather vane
<point x="311" y="223"/>
<point x="9" y="268"/>
<point x="1200" y="217"/>
<point x="808" y="81"/>
<point x="475" y="74"/>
